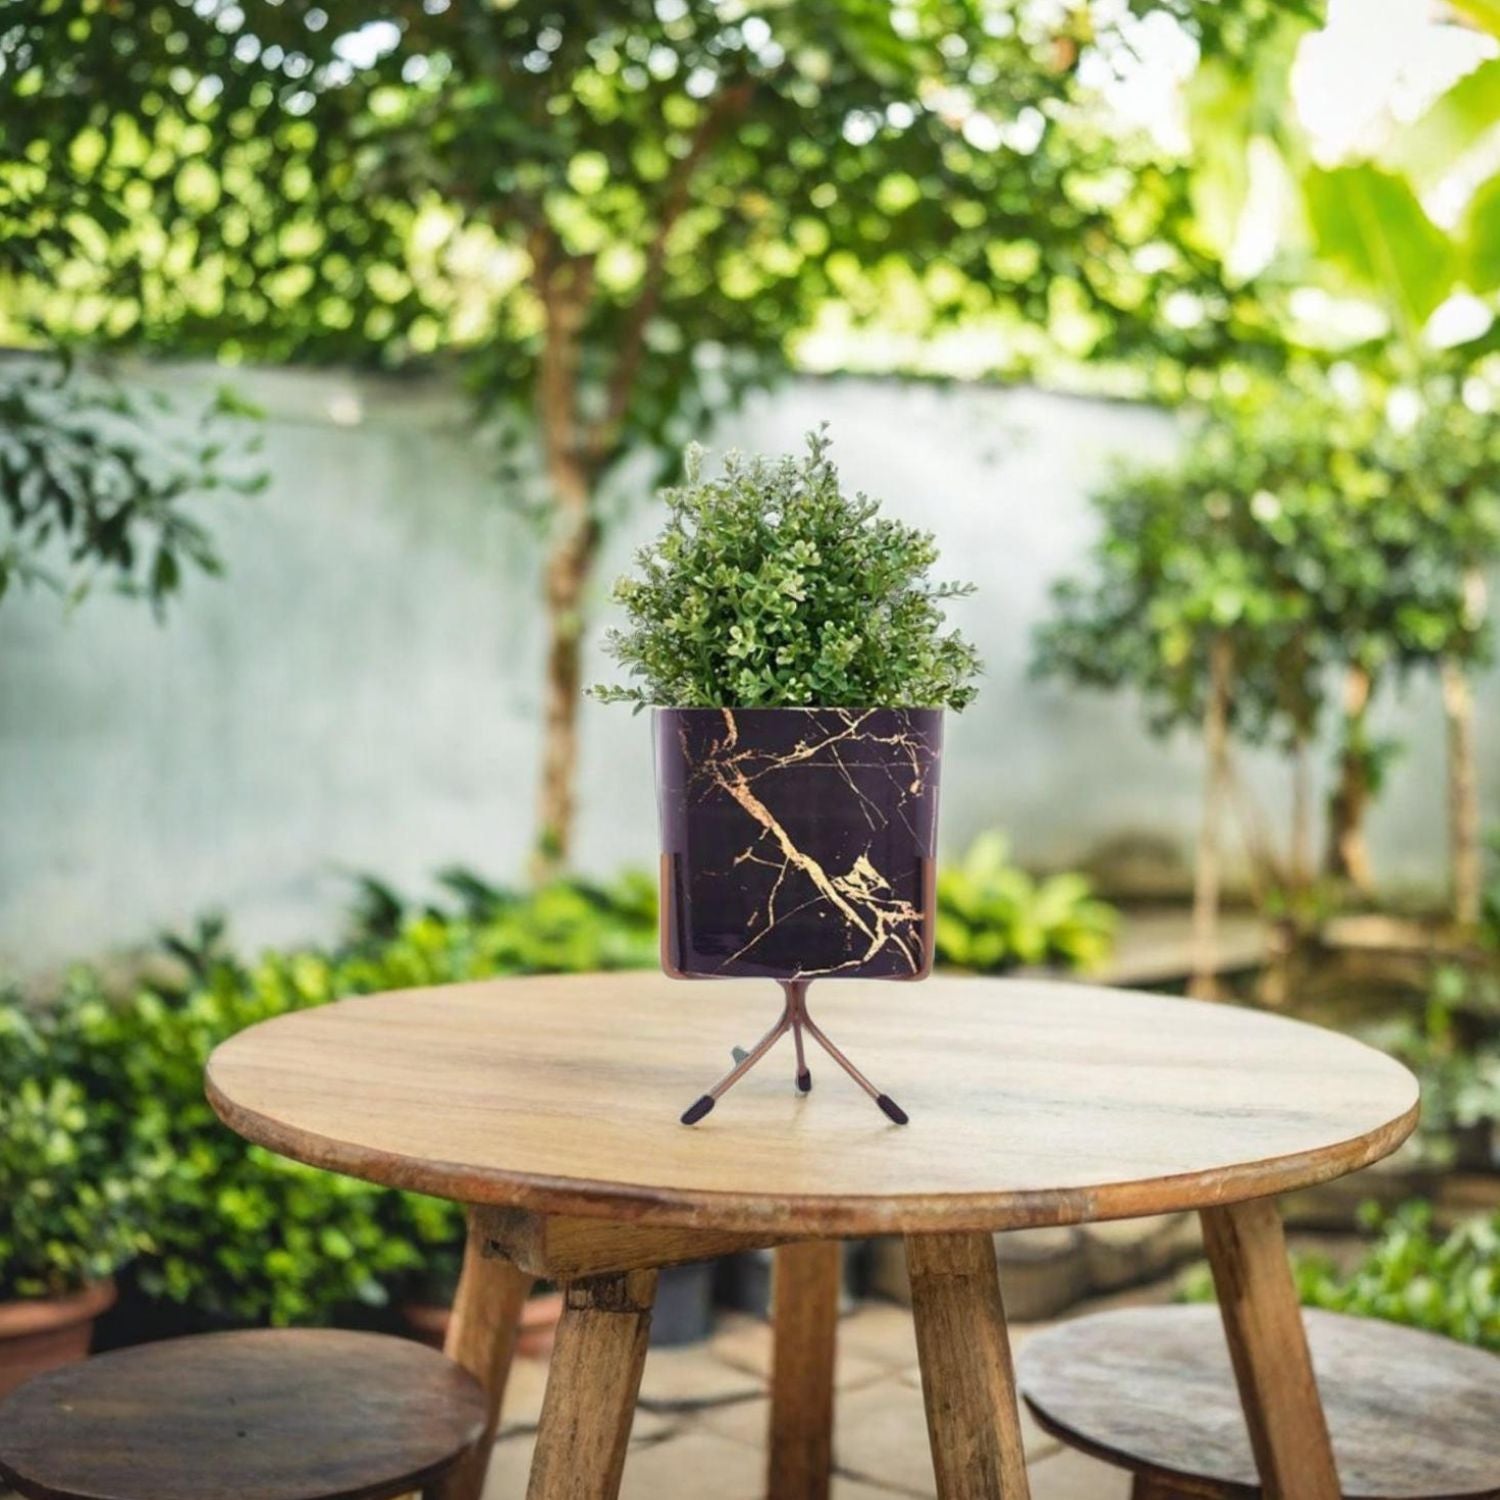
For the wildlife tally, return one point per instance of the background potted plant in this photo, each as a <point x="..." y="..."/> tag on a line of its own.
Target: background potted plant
<point x="70" y="1205"/>
<point x="796" y="654"/>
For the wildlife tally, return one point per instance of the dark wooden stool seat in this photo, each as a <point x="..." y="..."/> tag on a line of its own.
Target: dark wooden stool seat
<point x="271" y="1414"/>
<point x="1412" y="1416"/>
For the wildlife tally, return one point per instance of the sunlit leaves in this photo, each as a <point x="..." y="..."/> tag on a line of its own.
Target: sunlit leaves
<point x="1482" y="238"/>
<point x="1369" y="223"/>
<point x="938" y="132"/>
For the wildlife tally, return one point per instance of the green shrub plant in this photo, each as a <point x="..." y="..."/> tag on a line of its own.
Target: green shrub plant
<point x="992" y="915"/>
<point x="770" y="587"/>
<point x="73" y="1191"/>
<point x="1413" y="1273"/>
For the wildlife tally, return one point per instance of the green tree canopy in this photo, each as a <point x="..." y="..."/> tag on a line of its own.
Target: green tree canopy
<point x="621" y="216"/>
<point x="1302" y="529"/>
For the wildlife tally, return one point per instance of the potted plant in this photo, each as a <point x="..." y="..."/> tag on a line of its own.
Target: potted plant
<point x="795" y="652"/>
<point x="70" y="1209"/>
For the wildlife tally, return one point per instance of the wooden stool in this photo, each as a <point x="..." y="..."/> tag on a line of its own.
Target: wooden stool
<point x="272" y="1414"/>
<point x="1412" y="1416"/>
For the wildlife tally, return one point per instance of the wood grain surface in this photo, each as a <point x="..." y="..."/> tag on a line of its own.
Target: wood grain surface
<point x="592" y="1384"/>
<point x="1412" y="1416"/>
<point x="1268" y="1351"/>
<point x="1031" y="1103"/>
<point x="271" y="1414"/>
<point x="805" y="1290"/>
<point x="968" y="1383"/>
<point x="481" y="1339"/>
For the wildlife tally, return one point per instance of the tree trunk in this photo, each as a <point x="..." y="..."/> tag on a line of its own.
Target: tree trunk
<point x="1463" y="797"/>
<point x="1207" y="873"/>
<point x="570" y="565"/>
<point x="565" y="286"/>
<point x="1348" y="856"/>
<point x="1463" y="770"/>
<point x="1301" y="840"/>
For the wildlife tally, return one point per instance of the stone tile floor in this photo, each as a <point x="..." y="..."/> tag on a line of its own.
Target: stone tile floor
<point x="701" y="1425"/>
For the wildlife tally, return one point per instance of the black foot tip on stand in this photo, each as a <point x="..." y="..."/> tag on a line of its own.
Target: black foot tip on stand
<point x="888" y="1107"/>
<point x="804" y="1081"/>
<point x="696" y="1110"/>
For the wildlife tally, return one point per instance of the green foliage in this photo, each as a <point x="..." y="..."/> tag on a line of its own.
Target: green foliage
<point x="73" y="1196"/>
<point x="97" y="480"/>
<point x="239" y="1234"/>
<point x="1303" y="530"/>
<point x="234" y="1232"/>
<point x="1453" y="1046"/>
<point x="1356" y="228"/>
<point x="1369" y="224"/>
<point x="993" y="916"/>
<point x="1448" y="1284"/>
<point x="771" y="588"/>
<point x="1412" y="1274"/>
<point x="672" y="193"/>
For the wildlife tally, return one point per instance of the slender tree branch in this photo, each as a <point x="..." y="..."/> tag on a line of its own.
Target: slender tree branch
<point x="727" y="105"/>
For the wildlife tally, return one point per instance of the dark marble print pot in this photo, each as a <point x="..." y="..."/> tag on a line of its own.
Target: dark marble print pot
<point x="798" y="842"/>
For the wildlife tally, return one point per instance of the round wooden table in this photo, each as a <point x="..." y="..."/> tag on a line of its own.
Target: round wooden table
<point x="550" y="1106"/>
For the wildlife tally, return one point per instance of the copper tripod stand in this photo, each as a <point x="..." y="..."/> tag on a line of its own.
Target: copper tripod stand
<point x="794" y="1018"/>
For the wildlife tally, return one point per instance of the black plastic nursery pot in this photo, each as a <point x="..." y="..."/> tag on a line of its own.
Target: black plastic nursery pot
<point x="798" y="843"/>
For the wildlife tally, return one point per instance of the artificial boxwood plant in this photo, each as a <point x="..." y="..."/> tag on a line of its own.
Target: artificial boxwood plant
<point x="771" y="587"/>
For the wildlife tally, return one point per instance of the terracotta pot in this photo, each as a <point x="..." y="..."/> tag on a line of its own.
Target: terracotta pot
<point x="798" y="842"/>
<point x="428" y="1321"/>
<point x="41" y="1333"/>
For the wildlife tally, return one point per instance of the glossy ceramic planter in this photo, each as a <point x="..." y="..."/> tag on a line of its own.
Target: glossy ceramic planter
<point x="797" y="843"/>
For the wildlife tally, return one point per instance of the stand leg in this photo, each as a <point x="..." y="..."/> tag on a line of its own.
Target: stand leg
<point x="794" y="1018"/>
<point x="592" y="1387"/>
<point x="967" y="1380"/>
<point x="705" y="1102"/>
<point x="804" y="1074"/>
<point x="1268" y="1348"/>
<point x="482" y="1338"/>
<point x="805" y="1311"/>
<point x="888" y="1106"/>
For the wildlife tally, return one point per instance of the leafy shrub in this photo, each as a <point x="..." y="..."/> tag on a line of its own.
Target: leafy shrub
<point x="993" y="916"/>
<point x="771" y="588"/>
<point x="1454" y="1049"/>
<point x="1412" y="1274"/>
<point x="72" y="1197"/>
<point x="1445" y="1283"/>
<point x="96" y="481"/>
<point x="235" y="1232"/>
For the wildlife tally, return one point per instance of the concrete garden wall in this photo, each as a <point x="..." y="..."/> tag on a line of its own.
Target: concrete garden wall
<point x="360" y="692"/>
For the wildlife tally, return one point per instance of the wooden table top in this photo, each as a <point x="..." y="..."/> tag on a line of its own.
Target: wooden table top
<point x="1031" y="1102"/>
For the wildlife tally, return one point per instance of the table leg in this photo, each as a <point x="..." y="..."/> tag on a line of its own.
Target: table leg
<point x="482" y="1338"/>
<point x="1268" y="1348"/>
<point x="967" y="1379"/>
<point x="1144" y="1487"/>
<point x="592" y="1386"/>
<point x="805" y="1311"/>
